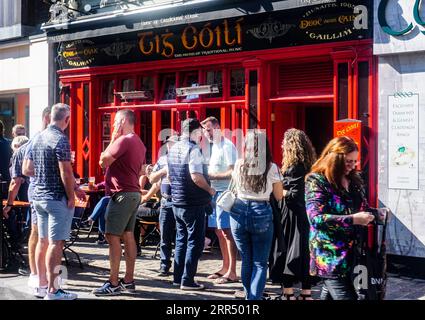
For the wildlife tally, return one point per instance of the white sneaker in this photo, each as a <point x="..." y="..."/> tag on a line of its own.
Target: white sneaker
<point x="61" y="295"/>
<point x="33" y="281"/>
<point x="39" y="292"/>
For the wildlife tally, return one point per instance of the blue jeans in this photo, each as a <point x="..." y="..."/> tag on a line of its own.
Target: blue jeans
<point x="99" y="212"/>
<point x="338" y="289"/>
<point x="167" y="225"/>
<point x="190" y="226"/>
<point x="252" y="228"/>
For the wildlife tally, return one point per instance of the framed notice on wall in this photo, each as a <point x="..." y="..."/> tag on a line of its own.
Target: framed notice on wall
<point x="403" y="141"/>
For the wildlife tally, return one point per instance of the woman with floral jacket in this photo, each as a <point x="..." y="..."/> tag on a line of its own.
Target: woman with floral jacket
<point x="335" y="204"/>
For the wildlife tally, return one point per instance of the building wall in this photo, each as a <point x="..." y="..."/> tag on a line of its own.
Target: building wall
<point x="406" y="230"/>
<point x="40" y="84"/>
<point x="24" y="67"/>
<point x="15" y="68"/>
<point x="401" y="71"/>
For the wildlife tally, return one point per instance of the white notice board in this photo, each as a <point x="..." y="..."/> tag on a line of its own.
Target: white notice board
<point x="403" y="141"/>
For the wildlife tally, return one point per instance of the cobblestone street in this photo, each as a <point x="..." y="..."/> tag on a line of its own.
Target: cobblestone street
<point x="151" y="286"/>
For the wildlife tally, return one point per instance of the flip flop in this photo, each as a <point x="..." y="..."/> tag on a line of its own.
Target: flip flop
<point x="215" y="275"/>
<point x="224" y="280"/>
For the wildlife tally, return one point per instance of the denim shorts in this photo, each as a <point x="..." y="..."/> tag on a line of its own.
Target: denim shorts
<point x="33" y="214"/>
<point x="54" y="219"/>
<point x="219" y="219"/>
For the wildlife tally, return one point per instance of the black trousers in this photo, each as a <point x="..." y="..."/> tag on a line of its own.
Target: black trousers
<point x="289" y="281"/>
<point x="338" y="289"/>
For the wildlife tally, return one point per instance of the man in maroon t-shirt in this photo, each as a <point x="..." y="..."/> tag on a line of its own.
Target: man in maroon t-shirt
<point x="123" y="160"/>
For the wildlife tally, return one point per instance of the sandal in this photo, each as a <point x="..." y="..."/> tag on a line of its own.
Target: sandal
<point x="285" y="297"/>
<point x="303" y="296"/>
<point x="224" y="280"/>
<point x="215" y="275"/>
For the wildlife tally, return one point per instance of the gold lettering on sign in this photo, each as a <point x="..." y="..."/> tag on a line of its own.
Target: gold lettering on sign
<point x="226" y="34"/>
<point x="346" y="19"/>
<point x="304" y="24"/>
<point x="185" y="35"/>
<point x="167" y="45"/>
<point x="210" y="33"/>
<point x="142" y="43"/>
<point x="192" y="39"/>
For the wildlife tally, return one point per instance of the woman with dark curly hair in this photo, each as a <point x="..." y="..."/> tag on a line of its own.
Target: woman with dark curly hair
<point x="292" y="265"/>
<point x="336" y="204"/>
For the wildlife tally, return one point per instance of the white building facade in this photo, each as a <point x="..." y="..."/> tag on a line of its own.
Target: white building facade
<point x="25" y="62"/>
<point x="399" y="44"/>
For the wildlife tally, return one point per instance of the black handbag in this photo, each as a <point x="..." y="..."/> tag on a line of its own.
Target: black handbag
<point x="369" y="263"/>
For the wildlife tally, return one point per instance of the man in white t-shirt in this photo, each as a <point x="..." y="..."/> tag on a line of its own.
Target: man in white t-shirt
<point x="222" y="159"/>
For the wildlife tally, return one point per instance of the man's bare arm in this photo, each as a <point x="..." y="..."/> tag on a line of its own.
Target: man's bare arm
<point x="154" y="177"/>
<point x="28" y="168"/>
<point x="106" y="159"/>
<point x="200" y="181"/>
<point x="152" y="191"/>
<point x="223" y="175"/>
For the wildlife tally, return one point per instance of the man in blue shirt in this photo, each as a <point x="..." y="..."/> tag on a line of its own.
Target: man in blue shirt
<point x="167" y="222"/>
<point x="191" y="194"/>
<point x="33" y="239"/>
<point x="54" y="197"/>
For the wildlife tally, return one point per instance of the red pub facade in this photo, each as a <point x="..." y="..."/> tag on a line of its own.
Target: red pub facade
<point x="305" y="67"/>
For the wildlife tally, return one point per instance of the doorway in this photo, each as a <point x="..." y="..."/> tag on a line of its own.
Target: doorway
<point x="315" y="119"/>
<point x="146" y="132"/>
<point x="318" y="125"/>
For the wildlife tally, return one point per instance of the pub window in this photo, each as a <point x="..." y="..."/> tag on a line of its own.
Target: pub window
<point x="127" y="85"/>
<point x="215" y="78"/>
<point x="363" y="110"/>
<point x="66" y="94"/>
<point x="342" y="91"/>
<point x="237" y="82"/>
<point x="190" y="79"/>
<point x="363" y="91"/>
<point x="253" y="99"/>
<point x="147" y="84"/>
<point x="213" y="112"/>
<point x="168" y="85"/>
<point x="106" y="130"/>
<point x="146" y="133"/>
<point x="86" y="106"/>
<point x="165" y="119"/>
<point x="108" y="91"/>
<point x="192" y="114"/>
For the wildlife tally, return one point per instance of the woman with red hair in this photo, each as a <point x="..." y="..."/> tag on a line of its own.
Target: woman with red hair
<point x="336" y="204"/>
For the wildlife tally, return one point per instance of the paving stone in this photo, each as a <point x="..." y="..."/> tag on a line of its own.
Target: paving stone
<point x="152" y="286"/>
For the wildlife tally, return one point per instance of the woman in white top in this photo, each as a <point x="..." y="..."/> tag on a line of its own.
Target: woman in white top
<point x="256" y="177"/>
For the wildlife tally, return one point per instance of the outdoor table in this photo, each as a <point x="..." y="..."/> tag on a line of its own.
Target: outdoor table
<point x="18" y="204"/>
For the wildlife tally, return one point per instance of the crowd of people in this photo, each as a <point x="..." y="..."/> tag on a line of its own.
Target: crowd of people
<point x="295" y="222"/>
